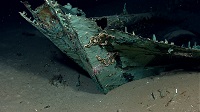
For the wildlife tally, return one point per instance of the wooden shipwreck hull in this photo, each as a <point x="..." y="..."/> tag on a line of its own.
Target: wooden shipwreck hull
<point x="111" y="57"/>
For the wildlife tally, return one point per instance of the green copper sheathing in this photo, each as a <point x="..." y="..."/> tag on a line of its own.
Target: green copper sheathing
<point x="104" y="76"/>
<point x="111" y="57"/>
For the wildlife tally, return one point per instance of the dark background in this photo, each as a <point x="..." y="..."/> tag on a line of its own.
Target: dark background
<point x="9" y="8"/>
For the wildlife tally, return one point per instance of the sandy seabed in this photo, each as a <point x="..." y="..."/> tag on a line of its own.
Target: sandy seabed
<point x="28" y="61"/>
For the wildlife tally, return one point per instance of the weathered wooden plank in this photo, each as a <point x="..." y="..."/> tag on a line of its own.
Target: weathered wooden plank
<point x="111" y="57"/>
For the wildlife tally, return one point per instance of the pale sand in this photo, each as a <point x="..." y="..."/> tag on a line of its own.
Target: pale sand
<point x="28" y="62"/>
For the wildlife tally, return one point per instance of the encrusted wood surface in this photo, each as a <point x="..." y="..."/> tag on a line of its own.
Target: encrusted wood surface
<point x="111" y="57"/>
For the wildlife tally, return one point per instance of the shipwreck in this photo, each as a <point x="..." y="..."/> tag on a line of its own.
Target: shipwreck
<point x="105" y="48"/>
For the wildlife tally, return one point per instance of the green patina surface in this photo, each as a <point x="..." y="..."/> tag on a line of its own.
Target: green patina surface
<point x="110" y="56"/>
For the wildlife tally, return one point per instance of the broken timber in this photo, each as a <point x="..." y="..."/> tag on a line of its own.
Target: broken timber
<point x="111" y="57"/>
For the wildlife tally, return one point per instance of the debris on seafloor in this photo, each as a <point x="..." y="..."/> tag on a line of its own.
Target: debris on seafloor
<point x="78" y="81"/>
<point x="167" y="96"/>
<point x="119" y="110"/>
<point x="57" y="80"/>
